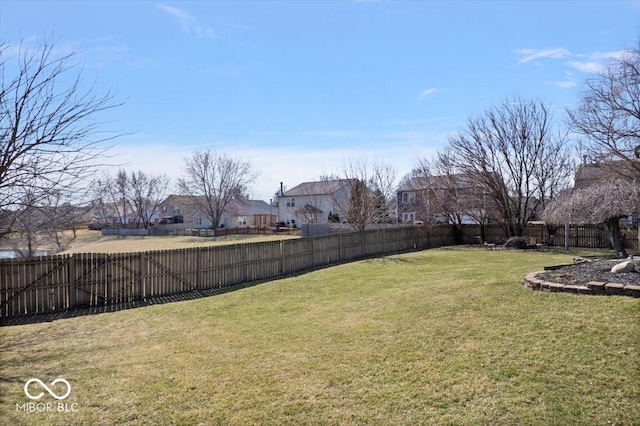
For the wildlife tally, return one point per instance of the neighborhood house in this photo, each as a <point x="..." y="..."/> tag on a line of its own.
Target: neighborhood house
<point x="237" y="214"/>
<point x="433" y="198"/>
<point x="314" y="202"/>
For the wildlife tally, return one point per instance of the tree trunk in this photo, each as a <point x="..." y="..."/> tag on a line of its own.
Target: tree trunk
<point x="483" y="233"/>
<point x="30" y="250"/>
<point x="508" y="229"/>
<point x="457" y="233"/>
<point x="613" y="227"/>
<point x="518" y="230"/>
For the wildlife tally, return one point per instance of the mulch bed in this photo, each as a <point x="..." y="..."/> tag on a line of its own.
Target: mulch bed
<point x="594" y="270"/>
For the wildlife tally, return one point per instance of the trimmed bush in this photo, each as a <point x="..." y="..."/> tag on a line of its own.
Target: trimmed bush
<point x="518" y="243"/>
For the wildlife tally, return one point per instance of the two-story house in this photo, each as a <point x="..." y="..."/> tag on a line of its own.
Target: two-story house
<point x="441" y="199"/>
<point x="314" y="202"/>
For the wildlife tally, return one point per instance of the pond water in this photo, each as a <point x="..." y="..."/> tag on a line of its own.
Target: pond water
<point x="10" y="254"/>
<point x="5" y="254"/>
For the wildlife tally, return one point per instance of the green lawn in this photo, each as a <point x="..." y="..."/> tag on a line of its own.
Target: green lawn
<point x="446" y="336"/>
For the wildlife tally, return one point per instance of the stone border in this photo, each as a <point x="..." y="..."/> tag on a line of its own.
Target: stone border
<point x="592" y="287"/>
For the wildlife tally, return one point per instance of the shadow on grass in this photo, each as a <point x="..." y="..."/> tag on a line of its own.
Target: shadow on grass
<point x="10" y="367"/>
<point x="178" y="297"/>
<point x="390" y="259"/>
<point x="115" y="307"/>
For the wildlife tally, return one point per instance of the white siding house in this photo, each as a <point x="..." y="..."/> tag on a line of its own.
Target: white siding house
<point x="313" y="202"/>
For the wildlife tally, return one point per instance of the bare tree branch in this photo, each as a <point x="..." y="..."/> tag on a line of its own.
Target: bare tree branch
<point x="371" y="186"/>
<point x="608" y="116"/>
<point x="145" y="193"/>
<point x="513" y="152"/>
<point x="213" y="180"/>
<point x="50" y="141"/>
<point x="605" y="202"/>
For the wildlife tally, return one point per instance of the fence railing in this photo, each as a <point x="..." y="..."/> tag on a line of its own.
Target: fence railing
<point x="69" y="281"/>
<point x="583" y="236"/>
<point x="181" y="229"/>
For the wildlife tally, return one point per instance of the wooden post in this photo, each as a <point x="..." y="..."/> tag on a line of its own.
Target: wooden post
<point x="143" y="276"/>
<point x="566" y="236"/>
<point x="383" y="242"/>
<point x="198" y="263"/>
<point x="281" y="257"/>
<point x="73" y="282"/>
<point x="243" y="255"/>
<point x="313" y="253"/>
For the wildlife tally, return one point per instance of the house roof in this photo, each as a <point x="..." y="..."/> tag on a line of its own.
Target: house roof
<point x="425" y="182"/>
<point x="588" y="174"/>
<point x="179" y="200"/>
<point x="234" y="208"/>
<point x="316" y="188"/>
<point x="248" y="207"/>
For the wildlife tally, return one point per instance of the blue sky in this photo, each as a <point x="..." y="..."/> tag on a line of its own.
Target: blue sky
<point x="298" y="87"/>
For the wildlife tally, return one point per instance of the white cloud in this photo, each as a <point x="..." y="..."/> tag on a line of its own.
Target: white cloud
<point x="528" y="55"/>
<point x="594" y="62"/>
<point x="428" y="92"/>
<point x="187" y="22"/>
<point x="587" y="66"/>
<point x="567" y="84"/>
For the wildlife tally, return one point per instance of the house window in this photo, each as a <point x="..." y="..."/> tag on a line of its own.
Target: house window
<point x="176" y="209"/>
<point x="164" y="209"/>
<point x="409" y="217"/>
<point x="408" y="198"/>
<point x="291" y="202"/>
<point x="242" y="221"/>
<point x="198" y="221"/>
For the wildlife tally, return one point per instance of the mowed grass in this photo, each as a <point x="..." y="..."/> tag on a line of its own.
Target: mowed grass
<point x="438" y="337"/>
<point x="87" y="241"/>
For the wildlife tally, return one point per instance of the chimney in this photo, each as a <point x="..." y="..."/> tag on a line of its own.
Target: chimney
<point x="281" y="189"/>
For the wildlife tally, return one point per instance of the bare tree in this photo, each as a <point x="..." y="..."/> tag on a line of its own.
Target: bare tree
<point x="100" y="204"/>
<point x="446" y="195"/>
<point x="118" y="193"/>
<point x="370" y="191"/>
<point x="608" y="119"/>
<point x="608" y="116"/>
<point x="213" y="180"/>
<point x="61" y="217"/>
<point x="145" y="193"/>
<point x="310" y="212"/>
<point x="606" y="203"/>
<point x="510" y="151"/>
<point x="50" y="141"/>
<point x="25" y="238"/>
<point x="51" y="225"/>
<point x="110" y="197"/>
